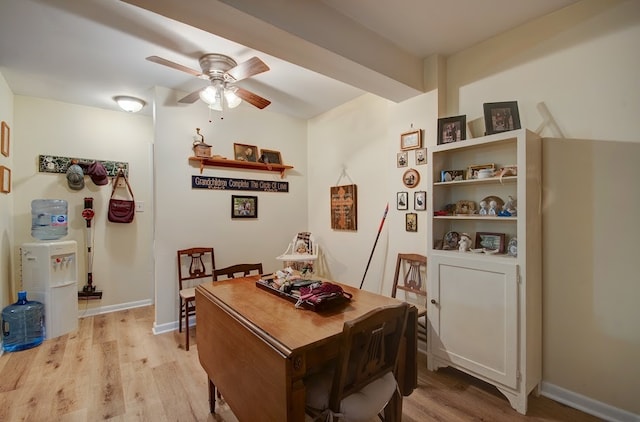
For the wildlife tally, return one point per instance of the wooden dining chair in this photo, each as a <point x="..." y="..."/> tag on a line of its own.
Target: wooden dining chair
<point x="238" y="270"/>
<point x="195" y="265"/>
<point x="363" y="383"/>
<point x="410" y="276"/>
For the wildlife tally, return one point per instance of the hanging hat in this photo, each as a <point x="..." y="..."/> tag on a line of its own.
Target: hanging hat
<point x="98" y="173"/>
<point x="75" y="177"/>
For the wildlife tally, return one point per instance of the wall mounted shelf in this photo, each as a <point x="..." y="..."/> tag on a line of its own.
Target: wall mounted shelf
<point x="221" y="162"/>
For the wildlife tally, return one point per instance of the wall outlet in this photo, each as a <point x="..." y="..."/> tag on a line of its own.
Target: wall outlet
<point x="139" y="206"/>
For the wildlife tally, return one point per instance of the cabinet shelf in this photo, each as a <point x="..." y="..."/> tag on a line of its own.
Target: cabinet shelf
<point x="488" y="181"/>
<point x="474" y="217"/>
<point x="221" y="162"/>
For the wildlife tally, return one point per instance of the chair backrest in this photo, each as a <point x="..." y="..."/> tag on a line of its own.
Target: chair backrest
<point x="410" y="270"/>
<point x="241" y="270"/>
<point x="195" y="265"/>
<point x="369" y="350"/>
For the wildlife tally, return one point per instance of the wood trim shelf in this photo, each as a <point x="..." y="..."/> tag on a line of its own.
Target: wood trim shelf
<point x="221" y="162"/>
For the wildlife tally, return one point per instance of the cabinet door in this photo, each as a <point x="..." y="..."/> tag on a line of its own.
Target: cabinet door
<point x="474" y="315"/>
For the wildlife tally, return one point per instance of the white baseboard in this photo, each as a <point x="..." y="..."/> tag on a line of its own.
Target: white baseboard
<point x="586" y="404"/>
<point x="171" y="326"/>
<point x="82" y="313"/>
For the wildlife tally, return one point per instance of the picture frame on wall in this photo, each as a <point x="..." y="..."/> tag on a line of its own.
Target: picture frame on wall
<point x="269" y="156"/>
<point x="244" y="152"/>
<point x="411" y="140"/>
<point x="402" y="200"/>
<point x="403" y="159"/>
<point x="420" y="200"/>
<point x="5" y="133"/>
<point x="244" y="206"/>
<point x="411" y="178"/>
<point x="501" y="117"/>
<point x="5" y="179"/>
<point x="452" y="129"/>
<point x="421" y="156"/>
<point x="411" y="222"/>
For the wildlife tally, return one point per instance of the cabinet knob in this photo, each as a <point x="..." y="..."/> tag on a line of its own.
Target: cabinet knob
<point x="433" y="301"/>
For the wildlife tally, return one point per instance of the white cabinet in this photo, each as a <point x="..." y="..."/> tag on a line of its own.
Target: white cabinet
<point x="484" y="310"/>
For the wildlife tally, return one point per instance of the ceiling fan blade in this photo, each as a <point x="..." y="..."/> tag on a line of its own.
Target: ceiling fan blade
<point x="191" y="98"/>
<point x="253" y="99"/>
<point x="173" y="65"/>
<point x="251" y="67"/>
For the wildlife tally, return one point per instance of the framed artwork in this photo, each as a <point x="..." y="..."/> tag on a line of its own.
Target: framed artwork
<point x="403" y="160"/>
<point x="402" y="201"/>
<point x="5" y="179"/>
<point x="344" y="207"/>
<point x="5" y="138"/>
<point x="244" y="152"/>
<point x="244" y="206"/>
<point x="420" y="200"/>
<point x="490" y="241"/>
<point x="411" y="140"/>
<point x="411" y="178"/>
<point x="411" y="222"/>
<point x="269" y="156"/>
<point x="452" y="129"/>
<point x="473" y="172"/>
<point x="501" y="117"/>
<point x="421" y="156"/>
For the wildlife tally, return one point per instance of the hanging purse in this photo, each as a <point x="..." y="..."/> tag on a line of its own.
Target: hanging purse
<point x="121" y="210"/>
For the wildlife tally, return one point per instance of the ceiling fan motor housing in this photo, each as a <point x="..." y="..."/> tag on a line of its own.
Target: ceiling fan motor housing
<point x="216" y="66"/>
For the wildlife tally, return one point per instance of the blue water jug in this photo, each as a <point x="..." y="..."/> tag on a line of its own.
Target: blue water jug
<point x="22" y="324"/>
<point x="48" y="219"/>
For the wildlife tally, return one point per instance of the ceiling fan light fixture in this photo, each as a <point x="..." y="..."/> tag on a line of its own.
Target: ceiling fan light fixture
<point x="129" y="104"/>
<point x="232" y="99"/>
<point x="208" y="95"/>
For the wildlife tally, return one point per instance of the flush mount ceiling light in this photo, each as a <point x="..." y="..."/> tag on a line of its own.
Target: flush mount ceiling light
<point x="129" y="104"/>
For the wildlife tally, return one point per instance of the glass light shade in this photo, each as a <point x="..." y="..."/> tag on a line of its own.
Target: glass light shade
<point x="130" y="104"/>
<point x="233" y="100"/>
<point x="208" y="95"/>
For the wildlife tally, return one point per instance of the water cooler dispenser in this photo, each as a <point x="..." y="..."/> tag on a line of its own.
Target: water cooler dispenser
<point x="50" y="276"/>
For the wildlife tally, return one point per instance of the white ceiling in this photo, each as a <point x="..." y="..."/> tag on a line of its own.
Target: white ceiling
<point x="321" y="53"/>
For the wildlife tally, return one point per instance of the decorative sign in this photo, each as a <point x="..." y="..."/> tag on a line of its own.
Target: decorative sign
<point x="344" y="207"/>
<point x="227" y="183"/>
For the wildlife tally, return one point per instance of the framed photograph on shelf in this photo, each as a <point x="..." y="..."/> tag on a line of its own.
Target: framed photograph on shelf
<point x="451" y="175"/>
<point x="244" y="206"/>
<point x="420" y="200"/>
<point x="5" y="179"/>
<point x="411" y="178"/>
<point x="403" y="160"/>
<point x="411" y="222"/>
<point x="402" y="201"/>
<point x="269" y="156"/>
<point x="421" y="156"/>
<point x="244" y="152"/>
<point x="452" y="129"/>
<point x="6" y="131"/>
<point x="490" y="241"/>
<point x="501" y="117"/>
<point x="411" y="140"/>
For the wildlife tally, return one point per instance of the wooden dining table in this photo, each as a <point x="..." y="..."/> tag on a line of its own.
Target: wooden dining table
<point x="257" y="348"/>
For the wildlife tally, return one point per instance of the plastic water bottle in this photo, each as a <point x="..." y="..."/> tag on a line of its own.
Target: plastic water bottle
<point x="48" y="219"/>
<point x="22" y="324"/>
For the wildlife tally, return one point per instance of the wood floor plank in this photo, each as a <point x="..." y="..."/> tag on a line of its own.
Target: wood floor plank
<point x="114" y="369"/>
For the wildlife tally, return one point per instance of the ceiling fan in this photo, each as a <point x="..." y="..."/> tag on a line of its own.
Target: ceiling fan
<point x="223" y="72"/>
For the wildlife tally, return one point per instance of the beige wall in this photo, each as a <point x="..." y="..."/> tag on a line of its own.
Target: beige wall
<point x="187" y="217"/>
<point x="7" y="295"/>
<point x="122" y="266"/>
<point x="579" y="64"/>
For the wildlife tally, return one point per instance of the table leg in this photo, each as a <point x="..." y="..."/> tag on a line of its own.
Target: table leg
<point x="212" y="397"/>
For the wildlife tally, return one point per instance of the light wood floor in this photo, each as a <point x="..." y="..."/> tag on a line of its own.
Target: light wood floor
<point x="113" y="368"/>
